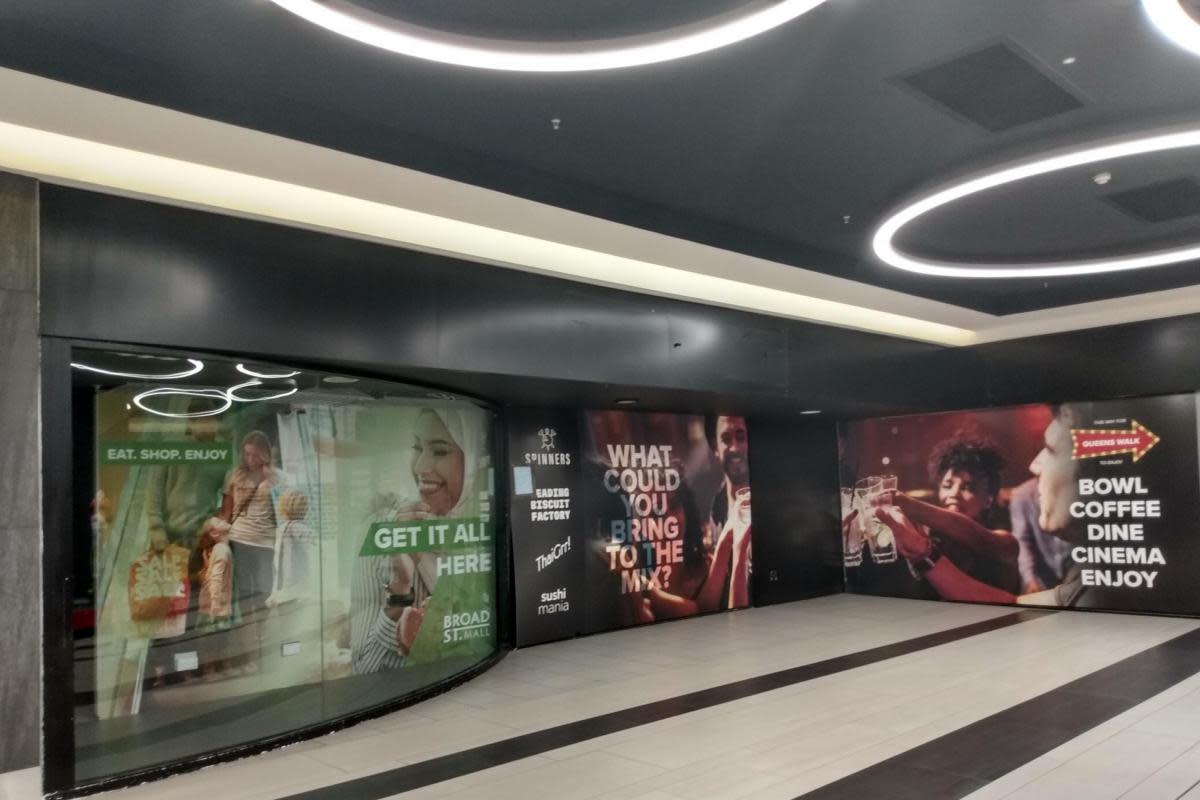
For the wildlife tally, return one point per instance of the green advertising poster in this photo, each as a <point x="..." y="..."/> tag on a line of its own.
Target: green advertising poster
<point x="116" y="453"/>
<point x="423" y="582"/>
<point x="458" y="619"/>
<point x="343" y="507"/>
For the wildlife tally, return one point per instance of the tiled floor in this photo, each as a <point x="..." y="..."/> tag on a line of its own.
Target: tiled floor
<point x="773" y="744"/>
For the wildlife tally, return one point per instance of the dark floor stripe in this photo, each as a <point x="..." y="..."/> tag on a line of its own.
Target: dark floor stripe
<point x="1184" y="793"/>
<point x="414" y="776"/>
<point x="954" y="765"/>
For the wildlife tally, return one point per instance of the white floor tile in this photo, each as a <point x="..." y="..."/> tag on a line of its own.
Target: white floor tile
<point x="775" y="744"/>
<point x="21" y="784"/>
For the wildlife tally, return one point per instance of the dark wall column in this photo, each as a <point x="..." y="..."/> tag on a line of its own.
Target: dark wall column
<point x="794" y="497"/>
<point x="20" y="489"/>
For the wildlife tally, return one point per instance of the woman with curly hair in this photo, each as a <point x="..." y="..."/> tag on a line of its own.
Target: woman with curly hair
<point x="965" y="471"/>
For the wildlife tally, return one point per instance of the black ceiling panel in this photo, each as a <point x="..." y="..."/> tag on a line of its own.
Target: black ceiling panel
<point x="997" y="88"/>
<point x="1160" y="202"/>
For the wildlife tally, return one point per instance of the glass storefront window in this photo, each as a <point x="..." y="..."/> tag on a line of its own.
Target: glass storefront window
<point x="268" y="549"/>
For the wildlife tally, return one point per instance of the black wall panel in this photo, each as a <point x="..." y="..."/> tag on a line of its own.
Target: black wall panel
<point x="797" y="546"/>
<point x="862" y="374"/>
<point x="717" y="350"/>
<point x="1154" y="357"/>
<point x="123" y="270"/>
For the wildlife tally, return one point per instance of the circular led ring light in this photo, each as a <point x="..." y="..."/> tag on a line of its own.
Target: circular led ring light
<point x="885" y="235"/>
<point x="231" y="393"/>
<point x="207" y="394"/>
<point x="242" y="368"/>
<point x="196" y="367"/>
<point x="1173" y="22"/>
<point x="379" y="30"/>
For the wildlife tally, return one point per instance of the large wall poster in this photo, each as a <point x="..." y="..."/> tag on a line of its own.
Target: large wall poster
<point x="623" y="518"/>
<point x="283" y="542"/>
<point x="544" y="517"/>
<point x="1082" y="504"/>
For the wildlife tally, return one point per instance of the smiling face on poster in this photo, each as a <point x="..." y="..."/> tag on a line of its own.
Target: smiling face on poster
<point x="668" y="523"/>
<point x="1083" y="504"/>
<point x="314" y="536"/>
<point x="623" y="518"/>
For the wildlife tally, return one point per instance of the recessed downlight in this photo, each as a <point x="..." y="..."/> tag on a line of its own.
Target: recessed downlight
<point x="626" y="401"/>
<point x="810" y="411"/>
<point x="1173" y="21"/>
<point x="336" y="379"/>
<point x="379" y="30"/>
<point x="884" y="246"/>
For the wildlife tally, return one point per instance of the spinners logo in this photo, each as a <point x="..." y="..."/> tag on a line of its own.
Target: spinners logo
<point x="548" y="435"/>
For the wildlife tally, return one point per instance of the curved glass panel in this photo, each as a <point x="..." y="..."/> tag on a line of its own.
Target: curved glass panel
<point x="267" y="549"/>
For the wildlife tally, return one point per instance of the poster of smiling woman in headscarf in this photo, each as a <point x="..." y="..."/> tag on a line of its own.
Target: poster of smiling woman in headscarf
<point x="423" y="576"/>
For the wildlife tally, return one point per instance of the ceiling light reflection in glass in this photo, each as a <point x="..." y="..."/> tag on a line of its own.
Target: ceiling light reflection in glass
<point x="242" y="368"/>
<point x="379" y="30"/>
<point x="196" y="367"/>
<point x="232" y="392"/>
<point x="204" y="394"/>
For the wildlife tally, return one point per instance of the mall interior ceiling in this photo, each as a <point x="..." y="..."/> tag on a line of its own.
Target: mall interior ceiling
<point x="791" y="148"/>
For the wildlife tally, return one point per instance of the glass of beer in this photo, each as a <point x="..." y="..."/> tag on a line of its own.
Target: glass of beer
<point x="852" y="534"/>
<point x="876" y="494"/>
<point x="741" y="500"/>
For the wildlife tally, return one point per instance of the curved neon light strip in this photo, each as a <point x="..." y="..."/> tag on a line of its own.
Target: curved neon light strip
<point x="196" y="367"/>
<point x="379" y="30"/>
<point x="242" y="368"/>
<point x="231" y="392"/>
<point x="885" y="235"/>
<point x="1173" y="22"/>
<point x="208" y="394"/>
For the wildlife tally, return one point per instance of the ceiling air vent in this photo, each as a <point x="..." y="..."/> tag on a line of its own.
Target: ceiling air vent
<point x="1160" y="202"/>
<point x="997" y="88"/>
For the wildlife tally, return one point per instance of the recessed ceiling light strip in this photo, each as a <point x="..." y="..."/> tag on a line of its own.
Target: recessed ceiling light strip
<point x="388" y="33"/>
<point x="883" y="241"/>
<point x="82" y="162"/>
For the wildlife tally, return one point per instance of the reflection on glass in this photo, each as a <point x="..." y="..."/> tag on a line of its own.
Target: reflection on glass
<point x="291" y="558"/>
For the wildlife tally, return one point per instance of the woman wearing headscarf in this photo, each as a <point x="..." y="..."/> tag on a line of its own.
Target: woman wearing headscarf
<point x="391" y="592"/>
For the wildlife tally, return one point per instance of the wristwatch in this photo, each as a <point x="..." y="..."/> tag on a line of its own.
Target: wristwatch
<point x="392" y="600"/>
<point x="920" y="567"/>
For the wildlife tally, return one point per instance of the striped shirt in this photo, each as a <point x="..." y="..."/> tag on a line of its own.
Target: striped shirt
<point x="374" y="643"/>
